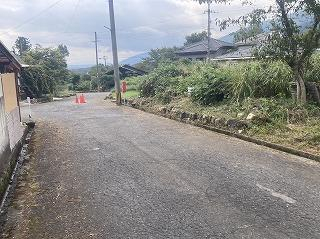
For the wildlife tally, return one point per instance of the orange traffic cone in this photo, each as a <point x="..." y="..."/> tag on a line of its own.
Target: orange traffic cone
<point x="77" y="100"/>
<point x="83" y="99"/>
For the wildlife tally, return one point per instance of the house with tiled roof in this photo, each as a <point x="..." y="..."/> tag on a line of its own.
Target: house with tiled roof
<point x="199" y="50"/>
<point x="243" y="50"/>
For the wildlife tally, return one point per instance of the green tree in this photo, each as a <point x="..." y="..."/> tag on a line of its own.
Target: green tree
<point x="158" y="56"/>
<point x="22" y="45"/>
<point x="35" y="82"/>
<point x="102" y="70"/>
<point x="86" y="77"/>
<point x="195" y="37"/>
<point x="287" y="41"/>
<point x="52" y="63"/>
<point x="313" y="71"/>
<point x="63" y="50"/>
<point x="106" y="82"/>
<point x="245" y="33"/>
<point x="75" y="79"/>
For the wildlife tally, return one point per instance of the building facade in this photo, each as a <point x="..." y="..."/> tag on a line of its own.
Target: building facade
<point x="11" y="129"/>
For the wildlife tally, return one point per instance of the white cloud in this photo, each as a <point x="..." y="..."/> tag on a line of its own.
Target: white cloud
<point x="148" y="30"/>
<point x="141" y="24"/>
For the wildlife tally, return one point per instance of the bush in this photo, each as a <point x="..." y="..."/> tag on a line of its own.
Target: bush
<point x="313" y="70"/>
<point x="134" y="82"/>
<point x="213" y="84"/>
<point x="259" y="79"/>
<point x="163" y="79"/>
<point x="106" y="82"/>
<point x="210" y="91"/>
<point x="83" y="86"/>
<point x="36" y="83"/>
<point x="209" y="86"/>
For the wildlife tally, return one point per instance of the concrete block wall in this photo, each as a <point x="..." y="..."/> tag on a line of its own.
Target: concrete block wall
<point x="15" y="128"/>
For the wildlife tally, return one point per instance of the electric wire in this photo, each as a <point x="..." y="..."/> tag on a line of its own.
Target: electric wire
<point x="32" y="18"/>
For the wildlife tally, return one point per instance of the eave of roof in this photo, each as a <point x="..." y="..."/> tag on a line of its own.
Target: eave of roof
<point x="200" y="47"/>
<point x="233" y="58"/>
<point x="5" y="51"/>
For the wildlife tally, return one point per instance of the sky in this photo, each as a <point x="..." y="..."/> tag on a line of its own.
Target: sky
<point x="141" y="24"/>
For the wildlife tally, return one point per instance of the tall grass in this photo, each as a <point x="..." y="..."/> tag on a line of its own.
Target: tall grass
<point x="213" y="83"/>
<point x="258" y="79"/>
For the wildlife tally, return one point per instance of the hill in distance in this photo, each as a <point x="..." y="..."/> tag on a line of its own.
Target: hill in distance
<point x="135" y="59"/>
<point x="79" y="69"/>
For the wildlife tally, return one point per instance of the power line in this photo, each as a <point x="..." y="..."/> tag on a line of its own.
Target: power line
<point x="33" y="17"/>
<point x="73" y="15"/>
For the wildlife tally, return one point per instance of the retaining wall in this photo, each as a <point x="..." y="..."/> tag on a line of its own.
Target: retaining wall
<point x="231" y="127"/>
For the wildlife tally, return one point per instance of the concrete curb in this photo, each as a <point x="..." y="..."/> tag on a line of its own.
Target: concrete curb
<point x="239" y="136"/>
<point x="14" y="161"/>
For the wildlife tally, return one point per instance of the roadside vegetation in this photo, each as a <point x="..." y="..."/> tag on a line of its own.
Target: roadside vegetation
<point x="262" y="89"/>
<point x="275" y="97"/>
<point x="47" y="74"/>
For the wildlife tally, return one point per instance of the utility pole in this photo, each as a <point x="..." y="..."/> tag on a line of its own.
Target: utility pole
<point x="105" y="60"/>
<point x="209" y="29"/>
<point x="97" y="59"/>
<point x="115" y="53"/>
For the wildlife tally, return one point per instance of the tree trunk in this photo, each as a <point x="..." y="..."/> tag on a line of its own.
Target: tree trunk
<point x="298" y="93"/>
<point x="301" y="87"/>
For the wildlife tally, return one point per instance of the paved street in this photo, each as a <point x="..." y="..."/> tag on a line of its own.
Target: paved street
<point x="101" y="171"/>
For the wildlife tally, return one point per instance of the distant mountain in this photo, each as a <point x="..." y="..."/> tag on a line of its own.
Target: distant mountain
<point x="75" y="67"/>
<point x="302" y="20"/>
<point x="228" y="38"/>
<point x="80" y="69"/>
<point x="135" y="59"/>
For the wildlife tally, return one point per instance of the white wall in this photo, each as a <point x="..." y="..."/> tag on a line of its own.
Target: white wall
<point x="4" y="137"/>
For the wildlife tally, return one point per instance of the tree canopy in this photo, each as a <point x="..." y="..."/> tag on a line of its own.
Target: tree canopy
<point x="245" y="33"/>
<point x="63" y="50"/>
<point x="158" y="56"/>
<point x="21" y="45"/>
<point x="195" y="37"/>
<point x="48" y="68"/>
<point x="287" y="41"/>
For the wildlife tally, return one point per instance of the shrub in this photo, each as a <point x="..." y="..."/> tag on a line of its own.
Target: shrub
<point x="106" y="82"/>
<point x="210" y="90"/>
<point x="163" y="79"/>
<point x="36" y="83"/>
<point x="209" y="86"/>
<point x="134" y="82"/>
<point x="313" y="70"/>
<point x="259" y="79"/>
<point x="83" y="86"/>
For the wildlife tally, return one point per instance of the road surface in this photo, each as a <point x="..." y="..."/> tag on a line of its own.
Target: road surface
<point x="102" y="171"/>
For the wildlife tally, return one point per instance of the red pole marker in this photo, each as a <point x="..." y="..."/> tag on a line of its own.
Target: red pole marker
<point x="124" y="86"/>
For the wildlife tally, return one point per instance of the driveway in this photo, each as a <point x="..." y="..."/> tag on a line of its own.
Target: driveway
<point x="101" y="171"/>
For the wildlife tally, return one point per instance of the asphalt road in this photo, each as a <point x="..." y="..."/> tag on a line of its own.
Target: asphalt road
<point x="102" y="171"/>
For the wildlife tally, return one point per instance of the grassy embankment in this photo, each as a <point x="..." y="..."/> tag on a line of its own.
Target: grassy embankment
<point x="234" y="92"/>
